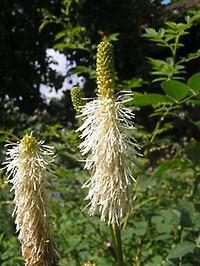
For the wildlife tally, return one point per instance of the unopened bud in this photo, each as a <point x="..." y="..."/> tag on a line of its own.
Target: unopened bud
<point x="77" y="96"/>
<point x="105" y="70"/>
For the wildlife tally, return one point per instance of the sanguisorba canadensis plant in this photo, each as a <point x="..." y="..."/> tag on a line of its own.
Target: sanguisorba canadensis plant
<point x="27" y="167"/>
<point x="108" y="145"/>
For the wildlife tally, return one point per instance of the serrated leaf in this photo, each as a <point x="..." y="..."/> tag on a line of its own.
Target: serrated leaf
<point x="181" y="250"/>
<point x="194" y="82"/>
<point x="175" y="89"/>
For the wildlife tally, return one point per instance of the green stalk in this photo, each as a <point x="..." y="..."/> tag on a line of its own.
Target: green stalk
<point x="116" y="236"/>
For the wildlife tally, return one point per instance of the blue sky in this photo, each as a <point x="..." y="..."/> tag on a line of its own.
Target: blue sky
<point x="166" y="2"/>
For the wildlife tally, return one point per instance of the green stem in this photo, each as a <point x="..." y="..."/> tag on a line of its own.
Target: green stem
<point x="116" y="236"/>
<point x="174" y="51"/>
<point x="114" y="242"/>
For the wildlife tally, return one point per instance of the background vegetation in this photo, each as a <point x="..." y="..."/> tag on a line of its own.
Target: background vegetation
<point x="157" y="53"/>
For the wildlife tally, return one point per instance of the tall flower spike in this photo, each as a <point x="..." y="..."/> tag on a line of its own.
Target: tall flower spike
<point x="108" y="144"/>
<point x="27" y="163"/>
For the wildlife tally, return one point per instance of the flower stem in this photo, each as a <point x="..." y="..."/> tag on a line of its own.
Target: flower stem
<point x="116" y="236"/>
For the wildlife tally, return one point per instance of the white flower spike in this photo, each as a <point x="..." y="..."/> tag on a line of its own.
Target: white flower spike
<point x="26" y="164"/>
<point x="108" y="144"/>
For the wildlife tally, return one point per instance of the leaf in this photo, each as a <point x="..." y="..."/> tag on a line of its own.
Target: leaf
<point x="156" y="219"/>
<point x="176" y="216"/>
<point x="164" y="167"/>
<point x="175" y="89"/>
<point x="131" y="83"/>
<point x="60" y="46"/>
<point x="163" y="237"/>
<point x="112" y="37"/>
<point x="140" y="228"/>
<point x="194" y="82"/>
<point x="181" y="250"/>
<point x="60" y="35"/>
<point x="171" y="25"/>
<point x="80" y="70"/>
<point x="167" y="215"/>
<point x="164" y="228"/>
<point x="127" y="235"/>
<point x="157" y="260"/>
<point x="144" y="183"/>
<point x="185" y="219"/>
<point x="190" y="56"/>
<point x="150" y="99"/>
<point x="193" y="151"/>
<point x="197" y="206"/>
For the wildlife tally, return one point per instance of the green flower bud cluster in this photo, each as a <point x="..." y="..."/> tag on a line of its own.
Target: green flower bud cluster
<point x="105" y="70"/>
<point x="77" y="96"/>
<point x="29" y="144"/>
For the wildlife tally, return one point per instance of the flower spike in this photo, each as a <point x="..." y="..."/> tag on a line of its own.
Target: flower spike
<point x="108" y="144"/>
<point x="26" y="164"/>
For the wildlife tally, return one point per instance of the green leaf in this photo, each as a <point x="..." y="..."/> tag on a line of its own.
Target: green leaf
<point x="190" y="56"/>
<point x="131" y="83"/>
<point x="80" y="70"/>
<point x="60" y="35"/>
<point x="185" y="219"/>
<point x="175" y="89"/>
<point x="112" y="37"/>
<point x="193" y="151"/>
<point x="181" y="250"/>
<point x="144" y="183"/>
<point x="164" y="228"/>
<point x="171" y="25"/>
<point x="156" y="219"/>
<point x="165" y="166"/>
<point x="140" y="228"/>
<point x="157" y="260"/>
<point x="163" y="237"/>
<point x="150" y="99"/>
<point x="197" y="206"/>
<point x="60" y="46"/>
<point x="194" y="82"/>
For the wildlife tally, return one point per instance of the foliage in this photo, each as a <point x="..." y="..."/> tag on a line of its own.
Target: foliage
<point x="83" y="26"/>
<point x="24" y="65"/>
<point x="169" y="37"/>
<point x="163" y="226"/>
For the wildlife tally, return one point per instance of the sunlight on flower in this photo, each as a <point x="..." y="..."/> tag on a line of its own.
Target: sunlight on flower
<point x="108" y="144"/>
<point x="26" y="164"/>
